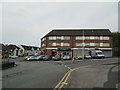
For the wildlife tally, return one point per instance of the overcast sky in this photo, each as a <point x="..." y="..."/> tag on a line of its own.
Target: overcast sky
<point x="27" y="22"/>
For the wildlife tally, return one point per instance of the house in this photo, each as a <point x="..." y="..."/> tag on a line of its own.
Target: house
<point x="13" y="50"/>
<point x="28" y="50"/>
<point x="73" y="41"/>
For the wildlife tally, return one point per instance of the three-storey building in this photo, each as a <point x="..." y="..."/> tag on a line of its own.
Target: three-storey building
<point x="73" y="41"/>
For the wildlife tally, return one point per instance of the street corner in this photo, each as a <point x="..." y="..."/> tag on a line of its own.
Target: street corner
<point x="94" y="76"/>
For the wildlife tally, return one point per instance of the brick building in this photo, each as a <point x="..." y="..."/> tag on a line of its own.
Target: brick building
<point x="73" y="41"/>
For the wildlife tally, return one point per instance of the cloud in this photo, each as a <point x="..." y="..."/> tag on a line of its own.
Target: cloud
<point x="26" y="23"/>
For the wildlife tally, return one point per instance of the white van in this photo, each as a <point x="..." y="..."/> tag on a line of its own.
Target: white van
<point x="97" y="54"/>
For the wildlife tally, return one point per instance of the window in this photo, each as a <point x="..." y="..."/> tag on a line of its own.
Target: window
<point x="97" y="44"/>
<point x="97" y="38"/>
<point x="43" y="45"/>
<point x="58" y="37"/>
<point x="58" y="44"/>
<point x="50" y="44"/>
<point x="106" y="44"/>
<point x="52" y="37"/>
<point x="78" y="44"/>
<point x="87" y="38"/>
<point x="79" y="38"/>
<point x="54" y="44"/>
<point x="66" y="44"/>
<point x="66" y="38"/>
<point x="92" y="44"/>
<point x="105" y="38"/>
<point x="43" y="39"/>
<point x="92" y="37"/>
<point x="87" y="44"/>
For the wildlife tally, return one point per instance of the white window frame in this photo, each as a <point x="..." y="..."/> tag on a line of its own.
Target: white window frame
<point x="96" y="44"/>
<point x="58" y="37"/>
<point x="105" y="38"/>
<point x="52" y="37"/>
<point x="92" y="44"/>
<point x="97" y="38"/>
<point x="58" y="44"/>
<point x="87" y="37"/>
<point x="79" y="44"/>
<point x="79" y="38"/>
<point x="66" y="38"/>
<point x="87" y="44"/>
<point x="50" y="43"/>
<point x="92" y="37"/>
<point x="106" y="44"/>
<point x="66" y="44"/>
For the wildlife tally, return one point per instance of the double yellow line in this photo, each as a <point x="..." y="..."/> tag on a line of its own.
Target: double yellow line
<point x="62" y="82"/>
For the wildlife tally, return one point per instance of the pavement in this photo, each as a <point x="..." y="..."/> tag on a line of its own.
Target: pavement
<point x="95" y="76"/>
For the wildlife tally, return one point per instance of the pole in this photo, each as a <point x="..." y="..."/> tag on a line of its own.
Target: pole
<point x="83" y="46"/>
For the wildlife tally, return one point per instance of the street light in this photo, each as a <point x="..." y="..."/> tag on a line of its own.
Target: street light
<point x="83" y="44"/>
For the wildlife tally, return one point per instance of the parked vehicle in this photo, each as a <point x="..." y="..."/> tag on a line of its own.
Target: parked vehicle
<point x="39" y="57"/>
<point x="87" y="56"/>
<point x="97" y="54"/>
<point x="13" y="57"/>
<point x="79" y="57"/>
<point x="57" y="57"/>
<point x="47" y="57"/>
<point x="66" y="57"/>
<point x="29" y="58"/>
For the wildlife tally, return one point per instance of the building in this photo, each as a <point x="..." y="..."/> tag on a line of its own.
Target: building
<point x="13" y="50"/>
<point x="74" y="41"/>
<point x="28" y="50"/>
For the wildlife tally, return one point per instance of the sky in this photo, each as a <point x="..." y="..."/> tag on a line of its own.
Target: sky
<point x="27" y="22"/>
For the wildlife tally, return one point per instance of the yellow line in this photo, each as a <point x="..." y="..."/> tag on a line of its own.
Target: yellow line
<point x="65" y="80"/>
<point x="61" y="81"/>
<point x="69" y="75"/>
<point x="66" y="76"/>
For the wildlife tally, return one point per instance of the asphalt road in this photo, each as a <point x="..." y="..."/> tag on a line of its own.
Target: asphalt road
<point x="43" y="74"/>
<point x="33" y="74"/>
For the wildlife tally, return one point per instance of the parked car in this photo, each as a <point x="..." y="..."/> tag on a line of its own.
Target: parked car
<point x="28" y="57"/>
<point x="47" y="57"/>
<point x="13" y="57"/>
<point x="87" y="56"/>
<point x="39" y="57"/>
<point x="79" y="57"/>
<point x="57" y="57"/>
<point x="66" y="57"/>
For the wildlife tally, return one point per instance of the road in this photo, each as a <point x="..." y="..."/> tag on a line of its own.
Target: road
<point x="43" y="74"/>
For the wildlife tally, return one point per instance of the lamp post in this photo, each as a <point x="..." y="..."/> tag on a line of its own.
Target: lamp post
<point x="83" y="45"/>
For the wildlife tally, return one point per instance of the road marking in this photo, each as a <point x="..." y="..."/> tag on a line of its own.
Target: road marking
<point x="61" y="81"/>
<point x="61" y="84"/>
